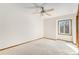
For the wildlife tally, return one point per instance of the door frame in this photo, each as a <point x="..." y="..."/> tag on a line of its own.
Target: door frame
<point x="77" y="30"/>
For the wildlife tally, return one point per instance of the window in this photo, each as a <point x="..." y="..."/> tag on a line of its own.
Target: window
<point x="64" y="27"/>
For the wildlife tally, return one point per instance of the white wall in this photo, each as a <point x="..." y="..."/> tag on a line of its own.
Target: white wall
<point x="18" y="26"/>
<point x="74" y="29"/>
<point x="63" y="37"/>
<point x="51" y="28"/>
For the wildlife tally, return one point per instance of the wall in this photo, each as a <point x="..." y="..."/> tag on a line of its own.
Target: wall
<point x="51" y="28"/>
<point x="18" y="26"/>
<point x="74" y="29"/>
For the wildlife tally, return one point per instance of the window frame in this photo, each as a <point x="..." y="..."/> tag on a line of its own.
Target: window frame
<point x="67" y="20"/>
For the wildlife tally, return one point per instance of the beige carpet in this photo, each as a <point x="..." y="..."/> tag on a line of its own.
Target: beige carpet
<point x="41" y="47"/>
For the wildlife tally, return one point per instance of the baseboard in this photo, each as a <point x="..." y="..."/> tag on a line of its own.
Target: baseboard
<point x="50" y="38"/>
<point x="19" y="44"/>
<point x="32" y="41"/>
<point x="59" y="39"/>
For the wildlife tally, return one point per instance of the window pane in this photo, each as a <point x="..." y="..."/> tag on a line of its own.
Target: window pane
<point x="62" y="27"/>
<point x="67" y="27"/>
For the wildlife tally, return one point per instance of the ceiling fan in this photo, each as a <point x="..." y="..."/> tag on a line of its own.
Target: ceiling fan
<point x="42" y="11"/>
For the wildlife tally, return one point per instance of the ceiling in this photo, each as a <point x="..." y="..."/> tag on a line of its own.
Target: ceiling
<point x="59" y="8"/>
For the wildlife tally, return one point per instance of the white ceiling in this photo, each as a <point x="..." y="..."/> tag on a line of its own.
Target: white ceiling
<point x="59" y="8"/>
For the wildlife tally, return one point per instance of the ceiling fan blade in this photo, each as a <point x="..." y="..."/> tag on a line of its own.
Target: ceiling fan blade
<point x="30" y="7"/>
<point x="47" y="14"/>
<point x="35" y="6"/>
<point x="36" y="13"/>
<point x="49" y="10"/>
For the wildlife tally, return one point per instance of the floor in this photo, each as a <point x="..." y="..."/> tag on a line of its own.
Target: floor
<point x="41" y="47"/>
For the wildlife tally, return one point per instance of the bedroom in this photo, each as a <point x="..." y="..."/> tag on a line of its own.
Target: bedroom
<point x="35" y="28"/>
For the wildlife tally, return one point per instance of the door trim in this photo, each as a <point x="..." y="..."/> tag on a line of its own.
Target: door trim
<point x="77" y="30"/>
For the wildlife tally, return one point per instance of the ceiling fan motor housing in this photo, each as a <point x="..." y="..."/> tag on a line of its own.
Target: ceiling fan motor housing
<point x="42" y="10"/>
